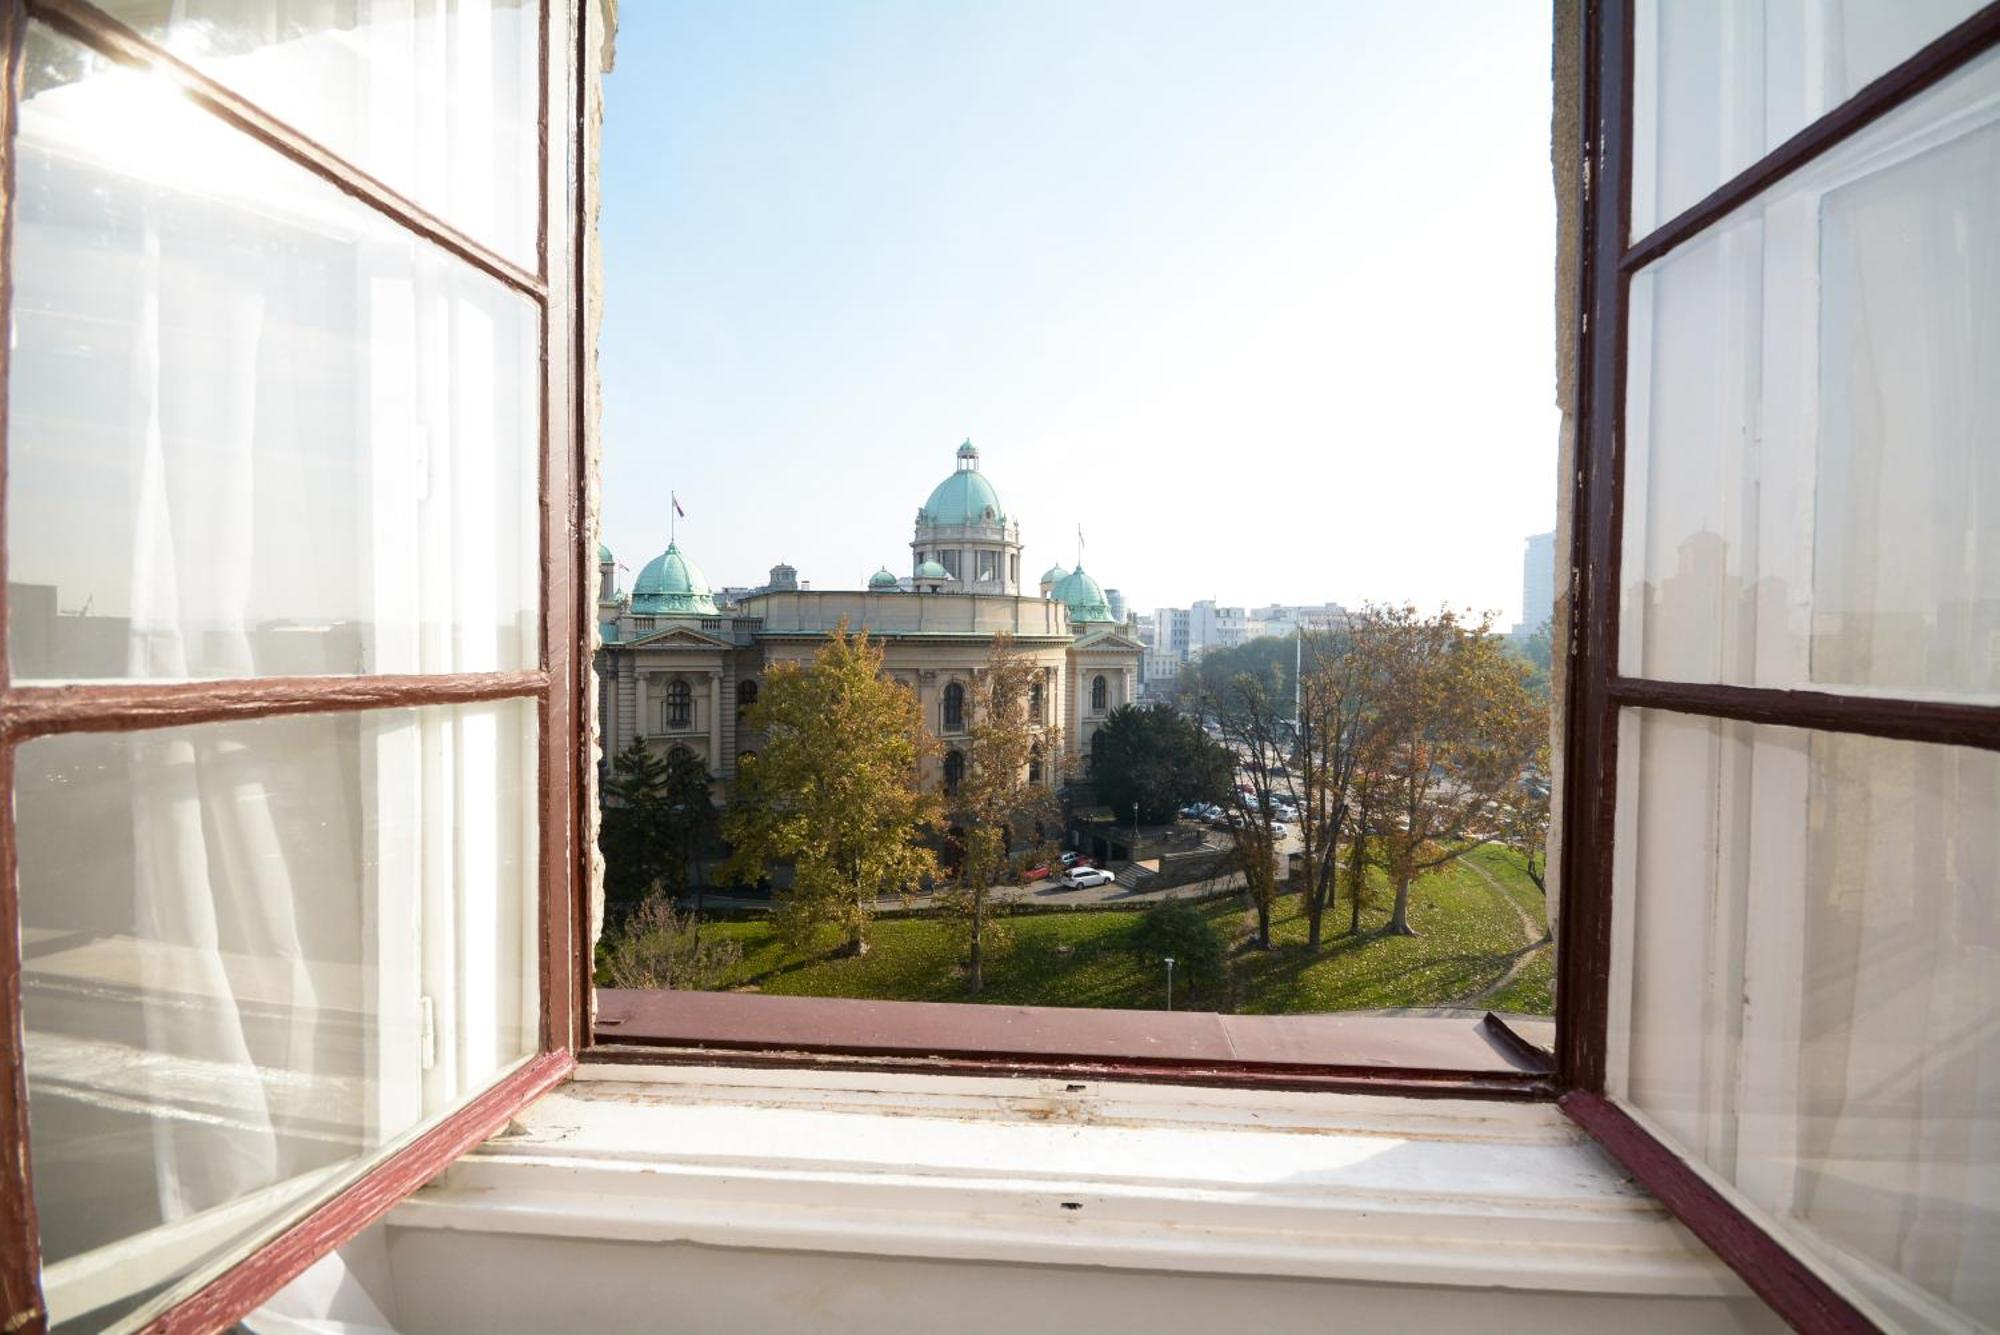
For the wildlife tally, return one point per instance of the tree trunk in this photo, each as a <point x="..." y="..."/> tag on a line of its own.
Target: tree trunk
<point x="975" y="969"/>
<point x="1263" y="925"/>
<point x="1399" y="919"/>
<point x="855" y="946"/>
<point x="1357" y="862"/>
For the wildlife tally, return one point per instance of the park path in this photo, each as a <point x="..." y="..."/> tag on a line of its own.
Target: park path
<point x="1531" y="935"/>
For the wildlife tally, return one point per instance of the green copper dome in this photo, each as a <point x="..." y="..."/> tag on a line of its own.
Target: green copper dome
<point x="932" y="570"/>
<point x="1084" y="595"/>
<point x="966" y="497"/>
<point x="883" y="581"/>
<point x="672" y="583"/>
<point x="603" y="555"/>
<point x="1054" y="575"/>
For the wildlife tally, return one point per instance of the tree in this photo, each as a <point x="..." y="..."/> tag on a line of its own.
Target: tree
<point x="1457" y="726"/>
<point x="833" y="791"/>
<point x="1526" y="831"/>
<point x="999" y="796"/>
<point x="1177" y="930"/>
<point x="1337" y="690"/>
<point x="1158" y="757"/>
<point x="657" y="817"/>
<point x="1246" y="710"/>
<point x="657" y="947"/>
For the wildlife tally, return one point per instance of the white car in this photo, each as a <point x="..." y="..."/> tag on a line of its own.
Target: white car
<point x="1085" y="877"/>
<point x="1279" y="829"/>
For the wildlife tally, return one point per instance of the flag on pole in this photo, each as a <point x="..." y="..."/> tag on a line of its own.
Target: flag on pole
<point x="677" y="505"/>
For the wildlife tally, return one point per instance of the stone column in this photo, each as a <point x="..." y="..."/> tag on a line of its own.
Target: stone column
<point x="715" y="721"/>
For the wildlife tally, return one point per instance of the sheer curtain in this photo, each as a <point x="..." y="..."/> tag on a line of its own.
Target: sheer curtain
<point x="262" y="431"/>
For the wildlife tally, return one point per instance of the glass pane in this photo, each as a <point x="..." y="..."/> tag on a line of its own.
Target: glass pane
<point x="1811" y="921"/>
<point x="1812" y="496"/>
<point x="255" y="429"/>
<point x="255" y="954"/>
<point x="437" y="99"/>
<point x="1717" y="84"/>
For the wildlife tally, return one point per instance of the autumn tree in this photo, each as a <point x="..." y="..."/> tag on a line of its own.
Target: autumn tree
<point x="833" y="791"/>
<point x="1337" y="691"/>
<point x="1157" y="757"/>
<point x="1007" y="790"/>
<point x="1246" y="708"/>
<point x="1457" y="725"/>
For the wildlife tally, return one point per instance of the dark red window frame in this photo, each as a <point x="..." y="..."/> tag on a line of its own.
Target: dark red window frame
<point x="558" y="685"/>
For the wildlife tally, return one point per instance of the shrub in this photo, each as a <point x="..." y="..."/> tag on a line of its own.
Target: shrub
<point x="658" y="947"/>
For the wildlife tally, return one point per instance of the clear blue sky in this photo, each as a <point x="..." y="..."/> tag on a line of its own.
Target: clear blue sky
<point x="1259" y="294"/>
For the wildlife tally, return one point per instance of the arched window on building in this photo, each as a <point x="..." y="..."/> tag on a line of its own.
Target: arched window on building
<point x="1035" y="763"/>
<point x="954" y="772"/>
<point x="746" y="696"/>
<point x="1100" y="694"/>
<point x="680" y="705"/>
<point x="954" y="708"/>
<point x="1036" y="713"/>
<point x="679" y="755"/>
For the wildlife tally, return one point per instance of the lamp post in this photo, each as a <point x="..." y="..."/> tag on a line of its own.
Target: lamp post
<point x="1170" y="981"/>
<point x="1135" y="832"/>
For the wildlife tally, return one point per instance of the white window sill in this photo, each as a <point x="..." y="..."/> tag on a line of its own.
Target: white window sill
<point x="1438" y="1192"/>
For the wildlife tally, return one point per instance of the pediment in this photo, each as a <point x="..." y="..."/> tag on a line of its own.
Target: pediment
<point x="1108" y="641"/>
<point x="677" y="637"/>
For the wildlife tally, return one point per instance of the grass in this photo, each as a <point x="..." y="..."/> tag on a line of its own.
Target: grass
<point x="1470" y="939"/>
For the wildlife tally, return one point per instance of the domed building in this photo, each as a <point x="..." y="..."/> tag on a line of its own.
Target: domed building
<point x="680" y="668"/>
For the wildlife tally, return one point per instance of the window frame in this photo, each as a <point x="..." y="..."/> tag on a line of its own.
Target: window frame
<point x="558" y="685"/>
<point x="1597" y="693"/>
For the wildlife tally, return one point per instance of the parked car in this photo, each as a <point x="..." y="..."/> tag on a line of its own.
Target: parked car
<point x="1035" y="874"/>
<point x="1082" y="878"/>
<point x="1069" y="859"/>
<point x="1280" y="829"/>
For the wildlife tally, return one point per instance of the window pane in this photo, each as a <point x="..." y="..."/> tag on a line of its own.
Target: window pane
<point x="255" y="429"/>
<point x="255" y="955"/>
<point x="1810" y="925"/>
<point x="437" y="99"/>
<point x="1812" y="493"/>
<point x="1719" y="83"/>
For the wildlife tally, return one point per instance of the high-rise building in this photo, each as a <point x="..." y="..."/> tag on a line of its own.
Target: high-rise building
<point x="1538" y="583"/>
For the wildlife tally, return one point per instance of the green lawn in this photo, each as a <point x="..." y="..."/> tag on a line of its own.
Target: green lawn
<point x="1469" y="940"/>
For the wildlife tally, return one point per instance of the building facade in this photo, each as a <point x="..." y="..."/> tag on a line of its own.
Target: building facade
<point x="678" y="669"/>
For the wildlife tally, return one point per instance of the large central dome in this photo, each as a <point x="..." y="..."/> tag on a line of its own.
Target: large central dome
<point x="966" y="497"/>
<point x="672" y="583"/>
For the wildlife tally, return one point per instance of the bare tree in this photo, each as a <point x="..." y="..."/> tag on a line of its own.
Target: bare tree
<point x="1335" y="721"/>
<point x="1247" y="711"/>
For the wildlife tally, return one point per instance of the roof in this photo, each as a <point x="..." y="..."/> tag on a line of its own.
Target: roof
<point x="603" y="555"/>
<point x="932" y="570"/>
<point x="672" y="583"/>
<point x="966" y="497"/>
<point x="1054" y="575"/>
<point x="1084" y="596"/>
<point x="883" y="579"/>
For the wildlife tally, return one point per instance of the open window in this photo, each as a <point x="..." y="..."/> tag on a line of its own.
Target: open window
<point x="1783" y="852"/>
<point x="289" y="731"/>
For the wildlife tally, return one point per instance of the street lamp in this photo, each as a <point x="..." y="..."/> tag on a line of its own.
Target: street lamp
<point x="1170" y="981"/>
<point x="1135" y="832"/>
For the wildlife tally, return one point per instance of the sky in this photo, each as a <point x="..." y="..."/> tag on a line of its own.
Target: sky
<point x="1259" y="295"/>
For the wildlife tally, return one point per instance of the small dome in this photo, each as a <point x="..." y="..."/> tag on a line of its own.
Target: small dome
<point x="603" y="555"/>
<point x="1054" y="575"/>
<point x="1085" y="597"/>
<point x="672" y="583"/>
<point x="884" y="580"/>
<point x="932" y="570"/>
<point x="966" y="497"/>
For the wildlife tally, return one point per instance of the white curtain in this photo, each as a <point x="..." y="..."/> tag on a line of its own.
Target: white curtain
<point x="278" y="436"/>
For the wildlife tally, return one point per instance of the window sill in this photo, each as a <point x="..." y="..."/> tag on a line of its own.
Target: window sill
<point x="1405" y="1055"/>
<point x="1223" y="1182"/>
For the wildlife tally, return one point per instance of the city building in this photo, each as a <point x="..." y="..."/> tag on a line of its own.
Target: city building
<point x="680" y="668"/>
<point x="1212" y="627"/>
<point x="1538" y="583"/>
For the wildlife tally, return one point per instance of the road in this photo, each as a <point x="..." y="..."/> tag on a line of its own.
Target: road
<point x="1040" y="892"/>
